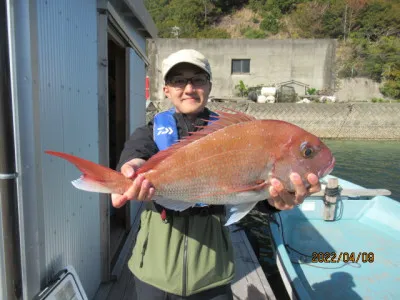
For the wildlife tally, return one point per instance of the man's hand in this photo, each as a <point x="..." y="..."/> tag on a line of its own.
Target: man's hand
<point x="283" y="200"/>
<point x="141" y="188"/>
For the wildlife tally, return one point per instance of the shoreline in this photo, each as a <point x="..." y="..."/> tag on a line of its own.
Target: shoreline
<point x="339" y="121"/>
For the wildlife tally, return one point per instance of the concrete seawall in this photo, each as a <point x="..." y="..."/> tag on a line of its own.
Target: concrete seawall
<point x="376" y="121"/>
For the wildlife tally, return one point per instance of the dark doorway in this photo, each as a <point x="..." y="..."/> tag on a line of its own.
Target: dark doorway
<point x="117" y="105"/>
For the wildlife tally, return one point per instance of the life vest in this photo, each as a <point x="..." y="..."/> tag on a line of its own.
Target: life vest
<point x="165" y="132"/>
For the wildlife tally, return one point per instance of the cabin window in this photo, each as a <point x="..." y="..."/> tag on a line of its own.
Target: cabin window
<point x="240" y="66"/>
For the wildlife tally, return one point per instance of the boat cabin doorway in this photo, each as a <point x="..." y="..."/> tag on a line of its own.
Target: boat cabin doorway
<point x="118" y="133"/>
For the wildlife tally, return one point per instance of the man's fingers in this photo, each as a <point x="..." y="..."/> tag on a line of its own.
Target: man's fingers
<point x="300" y="188"/>
<point x="314" y="189"/>
<point x="313" y="179"/>
<point x="315" y="184"/>
<point x="281" y="199"/>
<point x="286" y="197"/>
<point x="138" y="190"/>
<point x="141" y="190"/>
<point x="276" y="199"/>
<point x="273" y="192"/>
<point x="133" y="191"/>
<point x="138" y="181"/>
<point x="118" y="200"/>
<point x="151" y="194"/>
<point x="127" y="170"/>
<point x="144" y="190"/>
<point x="276" y="185"/>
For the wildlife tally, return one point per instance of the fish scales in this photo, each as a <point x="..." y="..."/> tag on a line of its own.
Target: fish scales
<point x="227" y="159"/>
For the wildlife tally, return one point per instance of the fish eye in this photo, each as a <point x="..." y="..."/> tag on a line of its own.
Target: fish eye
<point x="306" y="150"/>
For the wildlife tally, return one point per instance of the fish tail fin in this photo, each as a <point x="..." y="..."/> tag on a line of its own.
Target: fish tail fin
<point x="95" y="178"/>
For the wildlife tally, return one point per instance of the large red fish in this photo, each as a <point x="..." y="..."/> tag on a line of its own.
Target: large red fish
<point x="230" y="162"/>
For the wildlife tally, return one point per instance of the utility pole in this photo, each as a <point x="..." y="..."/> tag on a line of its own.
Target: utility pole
<point x="205" y="11"/>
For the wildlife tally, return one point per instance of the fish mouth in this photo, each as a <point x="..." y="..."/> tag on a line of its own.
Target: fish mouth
<point x="328" y="169"/>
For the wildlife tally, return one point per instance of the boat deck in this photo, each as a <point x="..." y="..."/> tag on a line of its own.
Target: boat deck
<point x="250" y="281"/>
<point x="367" y="269"/>
<point x="356" y="256"/>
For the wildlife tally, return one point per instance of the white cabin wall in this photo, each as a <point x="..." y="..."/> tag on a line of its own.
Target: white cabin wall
<point x="67" y="83"/>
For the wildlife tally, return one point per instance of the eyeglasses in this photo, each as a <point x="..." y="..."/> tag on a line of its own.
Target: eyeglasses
<point x="180" y="81"/>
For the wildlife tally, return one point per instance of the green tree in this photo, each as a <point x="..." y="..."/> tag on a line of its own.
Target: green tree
<point x="340" y="17"/>
<point x="270" y="23"/>
<point x="228" y="5"/>
<point x="283" y="6"/>
<point x="391" y="86"/>
<point x="381" y="56"/>
<point x="352" y="9"/>
<point x="379" y="18"/>
<point x="188" y="16"/>
<point x="308" y="19"/>
<point x="379" y="60"/>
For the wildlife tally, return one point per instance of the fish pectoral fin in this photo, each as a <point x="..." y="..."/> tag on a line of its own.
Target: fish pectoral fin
<point x="235" y="213"/>
<point x="258" y="185"/>
<point x="173" y="204"/>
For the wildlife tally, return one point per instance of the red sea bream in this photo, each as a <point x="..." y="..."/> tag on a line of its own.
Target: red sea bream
<point x="229" y="162"/>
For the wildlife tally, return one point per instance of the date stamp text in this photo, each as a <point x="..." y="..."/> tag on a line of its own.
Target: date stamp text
<point x="346" y="257"/>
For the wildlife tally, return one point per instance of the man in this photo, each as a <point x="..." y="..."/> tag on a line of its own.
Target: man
<point x="184" y="255"/>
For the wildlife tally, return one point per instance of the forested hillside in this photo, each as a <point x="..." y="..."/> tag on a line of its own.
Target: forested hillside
<point x="368" y="31"/>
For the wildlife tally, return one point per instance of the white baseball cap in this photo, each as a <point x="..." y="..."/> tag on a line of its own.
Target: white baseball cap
<point x="190" y="56"/>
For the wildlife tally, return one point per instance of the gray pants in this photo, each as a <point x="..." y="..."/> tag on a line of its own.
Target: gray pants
<point x="146" y="291"/>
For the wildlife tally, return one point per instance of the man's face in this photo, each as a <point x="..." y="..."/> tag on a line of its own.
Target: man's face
<point x="187" y="97"/>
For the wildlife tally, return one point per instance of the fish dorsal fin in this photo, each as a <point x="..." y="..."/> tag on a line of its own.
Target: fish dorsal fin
<point x="219" y="122"/>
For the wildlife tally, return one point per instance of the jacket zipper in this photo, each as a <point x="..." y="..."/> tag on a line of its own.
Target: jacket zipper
<point x="185" y="258"/>
<point x="144" y="249"/>
<point x="223" y="235"/>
